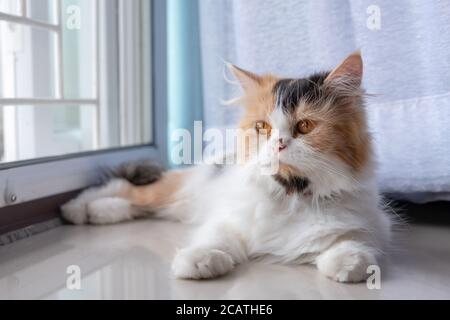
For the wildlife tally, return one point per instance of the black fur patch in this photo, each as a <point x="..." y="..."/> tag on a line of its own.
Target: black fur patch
<point x="292" y="184"/>
<point x="289" y="92"/>
<point x="139" y="173"/>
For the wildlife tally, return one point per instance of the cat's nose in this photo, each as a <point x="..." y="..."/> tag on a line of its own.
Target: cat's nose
<point x="281" y="144"/>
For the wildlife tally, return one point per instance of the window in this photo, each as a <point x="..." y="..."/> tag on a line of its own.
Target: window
<point x="57" y="94"/>
<point x="82" y="85"/>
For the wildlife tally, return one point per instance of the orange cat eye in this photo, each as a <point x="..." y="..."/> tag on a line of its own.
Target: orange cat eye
<point x="305" y="126"/>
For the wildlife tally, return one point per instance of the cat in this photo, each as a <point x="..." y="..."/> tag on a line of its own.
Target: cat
<point x="320" y="207"/>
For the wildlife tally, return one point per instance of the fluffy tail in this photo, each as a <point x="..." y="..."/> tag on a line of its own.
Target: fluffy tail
<point x="139" y="173"/>
<point x="130" y="191"/>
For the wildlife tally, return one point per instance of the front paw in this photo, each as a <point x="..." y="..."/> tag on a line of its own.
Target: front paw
<point x="199" y="263"/>
<point x="346" y="263"/>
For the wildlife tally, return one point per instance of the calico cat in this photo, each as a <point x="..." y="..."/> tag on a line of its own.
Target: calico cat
<point x="320" y="207"/>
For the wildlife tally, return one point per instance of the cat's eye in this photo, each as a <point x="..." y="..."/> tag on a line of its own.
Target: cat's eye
<point x="305" y="126"/>
<point x="262" y="125"/>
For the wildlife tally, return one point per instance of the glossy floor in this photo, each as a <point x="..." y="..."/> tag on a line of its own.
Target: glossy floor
<point x="132" y="261"/>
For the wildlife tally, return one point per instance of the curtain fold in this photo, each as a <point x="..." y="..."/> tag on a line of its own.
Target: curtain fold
<point x="406" y="50"/>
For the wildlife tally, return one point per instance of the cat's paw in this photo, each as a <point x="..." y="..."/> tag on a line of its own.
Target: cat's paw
<point x="75" y="211"/>
<point x="346" y="262"/>
<point x="196" y="263"/>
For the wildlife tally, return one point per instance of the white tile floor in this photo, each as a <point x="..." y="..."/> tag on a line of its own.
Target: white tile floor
<point x="132" y="261"/>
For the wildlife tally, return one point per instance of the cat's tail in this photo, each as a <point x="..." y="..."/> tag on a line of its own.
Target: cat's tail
<point x="130" y="191"/>
<point x="138" y="173"/>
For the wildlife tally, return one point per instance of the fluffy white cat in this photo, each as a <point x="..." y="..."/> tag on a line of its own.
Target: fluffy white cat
<point x="320" y="207"/>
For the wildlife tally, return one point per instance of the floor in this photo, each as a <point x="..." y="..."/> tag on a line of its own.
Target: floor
<point x="132" y="261"/>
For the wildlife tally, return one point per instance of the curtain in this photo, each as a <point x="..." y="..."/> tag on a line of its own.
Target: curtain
<point x="405" y="46"/>
<point x="184" y="68"/>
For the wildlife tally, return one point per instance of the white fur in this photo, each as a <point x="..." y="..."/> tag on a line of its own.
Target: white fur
<point x="110" y="210"/>
<point x="242" y="214"/>
<point x="346" y="261"/>
<point x="97" y="202"/>
<point x="257" y="220"/>
<point x="198" y="263"/>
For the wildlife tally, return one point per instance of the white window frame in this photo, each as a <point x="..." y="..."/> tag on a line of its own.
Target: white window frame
<point x="25" y="181"/>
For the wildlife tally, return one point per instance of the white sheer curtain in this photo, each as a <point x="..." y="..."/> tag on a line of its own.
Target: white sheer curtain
<point x="406" y="50"/>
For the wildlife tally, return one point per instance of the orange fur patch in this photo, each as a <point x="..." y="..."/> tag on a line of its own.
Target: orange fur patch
<point x="340" y="130"/>
<point x="258" y="102"/>
<point x="157" y="195"/>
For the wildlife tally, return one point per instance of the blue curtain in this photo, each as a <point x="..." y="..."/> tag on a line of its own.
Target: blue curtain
<point x="184" y="74"/>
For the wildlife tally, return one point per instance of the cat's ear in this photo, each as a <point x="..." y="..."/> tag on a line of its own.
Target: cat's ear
<point x="351" y="67"/>
<point x="248" y="80"/>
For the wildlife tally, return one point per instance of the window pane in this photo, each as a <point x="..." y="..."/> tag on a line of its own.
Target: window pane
<point x="104" y="72"/>
<point x="42" y="10"/>
<point x="11" y="7"/>
<point x="27" y="61"/>
<point x="79" y="48"/>
<point x="30" y="132"/>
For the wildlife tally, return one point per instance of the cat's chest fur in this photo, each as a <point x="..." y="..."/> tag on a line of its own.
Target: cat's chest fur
<point x="288" y="230"/>
<point x="289" y="227"/>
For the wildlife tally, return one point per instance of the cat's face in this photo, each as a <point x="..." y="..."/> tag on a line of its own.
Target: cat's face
<point x="316" y="125"/>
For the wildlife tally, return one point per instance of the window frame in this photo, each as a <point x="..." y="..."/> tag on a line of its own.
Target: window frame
<point x="28" y="180"/>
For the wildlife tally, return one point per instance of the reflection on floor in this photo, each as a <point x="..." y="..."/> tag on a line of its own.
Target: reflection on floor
<point x="132" y="261"/>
